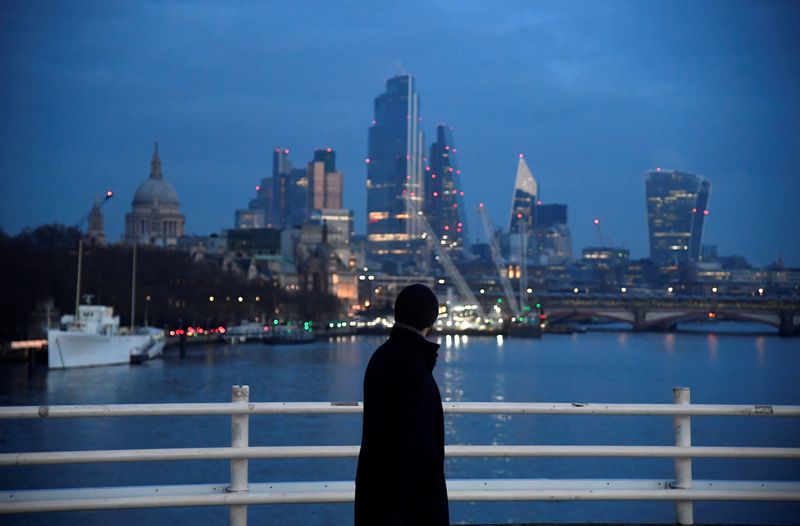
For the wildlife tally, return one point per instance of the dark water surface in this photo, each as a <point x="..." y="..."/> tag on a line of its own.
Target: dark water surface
<point x="613" y="367"/>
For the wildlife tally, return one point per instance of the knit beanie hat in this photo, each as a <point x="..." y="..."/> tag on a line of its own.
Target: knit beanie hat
<point x="416" y="305"/>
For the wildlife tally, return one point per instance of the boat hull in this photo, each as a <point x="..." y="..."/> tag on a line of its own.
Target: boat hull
<point x="67" y="349"/>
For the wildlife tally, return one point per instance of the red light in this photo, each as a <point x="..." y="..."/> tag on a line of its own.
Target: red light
<point x="109" y="194"/>
<point x="461" y="194"/>
<point x="694" y="210"/>
<point x="277" y="150"/>
<point x="427" y="168"/>
<point x="519" y="216"/>
<point x="367" y="160"/>
<point x="596" y="221"/>
<point x="458" y="230"/>
<point x="447" y="227"/>
<point x="433" y="176"/>
<point x="458" y="172"/>
<point x="712" y="315"/>
<point x="538" y="202"/>
<point x="460" y="224"/>
<point x="446" y="147"/>
<point x="286" y="151"/>
<point x="329" y="150"/>
<point x="455" y="205"/>
<point x="522" y="156"/>
<point x="172" y="333"/>
<point x="705" y="212"/>
<point x="542" y="317"/>
<point x="435" y="194"/>
<point x="258" y="188"/>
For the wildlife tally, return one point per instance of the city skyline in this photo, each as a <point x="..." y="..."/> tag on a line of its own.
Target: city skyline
<point x="594" y="95"/>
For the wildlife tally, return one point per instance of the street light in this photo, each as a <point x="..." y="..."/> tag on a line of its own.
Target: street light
<point x="623" y="290"/>
<point x="211" y="298"/>
<point x="714" y="289"/>
<point x="575" y="290"/>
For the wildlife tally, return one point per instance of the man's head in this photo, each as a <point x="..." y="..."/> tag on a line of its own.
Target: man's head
<point x="416" y="305"/>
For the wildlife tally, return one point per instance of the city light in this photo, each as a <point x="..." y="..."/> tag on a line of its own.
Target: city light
<point x="211" y="298"/>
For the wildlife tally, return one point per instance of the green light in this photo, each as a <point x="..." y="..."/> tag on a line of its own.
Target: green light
<point x="275" y="322"/>
<point x="499" y="300"/>
<point x="527" y="308"/>
<point x="538" y="305"/>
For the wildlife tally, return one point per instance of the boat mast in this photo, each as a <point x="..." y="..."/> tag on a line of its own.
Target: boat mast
<point x="78" y="285"/>
<point x="133" y="287"/>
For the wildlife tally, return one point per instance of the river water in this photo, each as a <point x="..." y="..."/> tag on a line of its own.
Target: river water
<point x="594" y="367"/>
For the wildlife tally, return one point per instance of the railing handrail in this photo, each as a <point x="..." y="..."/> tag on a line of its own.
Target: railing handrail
<point x="240" y="492"/>
<point x="276" y="408"/>
<point x="267" y="452"/>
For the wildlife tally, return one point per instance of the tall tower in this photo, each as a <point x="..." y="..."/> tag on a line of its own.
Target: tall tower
<point x="444" y="196"/>
<point x="677" y="204"/>
<point x="96" y="232"/>
<point x="324" y="182"/>
<point x="523" y="202"/>
<point x="395" y="186"/>
<point x="281" y="182"/>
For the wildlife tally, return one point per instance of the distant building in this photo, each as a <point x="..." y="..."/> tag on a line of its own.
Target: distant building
<point x="394" y="168"/>
<point x="96" y="232"/>
<point x="325" y="185"/>
<point x="608" y="265"/>
<point x="444" y="195"/>
<point x="550" y="214"/>
<point x="523" y="211"/>
<point x="254" y="242"/>
<point x="338" y="223"/>
<point x="155" y="217"/>
<point x="244" y="219"/>
<point x="677" y="204"/>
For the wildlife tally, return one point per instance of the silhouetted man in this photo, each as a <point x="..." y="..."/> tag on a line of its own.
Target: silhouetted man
<point x="400" y="476"/>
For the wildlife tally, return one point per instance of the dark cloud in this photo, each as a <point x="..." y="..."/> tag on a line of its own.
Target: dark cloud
<point x="594" y="93"/>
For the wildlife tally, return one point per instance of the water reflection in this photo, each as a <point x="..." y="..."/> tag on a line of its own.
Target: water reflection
<point x="669" y="342"/>
<point x="761" y="349"/>
<point x="713" y="346"/>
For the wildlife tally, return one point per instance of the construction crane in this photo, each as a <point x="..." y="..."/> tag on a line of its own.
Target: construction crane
<point x="81" y="221"/>
<point x="508" y="292"/>
<point x="444" y="258"/>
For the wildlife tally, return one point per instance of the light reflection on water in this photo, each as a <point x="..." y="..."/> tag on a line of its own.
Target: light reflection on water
<point x="591" y="367"/>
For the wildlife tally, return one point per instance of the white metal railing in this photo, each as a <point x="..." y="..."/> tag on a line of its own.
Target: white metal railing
<point x="240" y="493"/>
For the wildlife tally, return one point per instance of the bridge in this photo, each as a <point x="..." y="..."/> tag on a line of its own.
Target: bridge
<point x="660" y="314"/>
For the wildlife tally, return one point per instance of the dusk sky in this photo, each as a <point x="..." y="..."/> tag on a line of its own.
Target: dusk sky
<point x="594" y="94"/>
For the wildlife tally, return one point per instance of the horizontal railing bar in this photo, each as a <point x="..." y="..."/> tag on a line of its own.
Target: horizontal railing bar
<point x="343" y="491"/>
<point x="265" y="408"/>
<point x="276" y="452"/>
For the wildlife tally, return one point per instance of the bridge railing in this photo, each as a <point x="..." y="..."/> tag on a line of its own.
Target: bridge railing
<point x="240" y="492"/>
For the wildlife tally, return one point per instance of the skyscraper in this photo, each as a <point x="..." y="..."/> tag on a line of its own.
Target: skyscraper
<point x="395" y="185"/>
<point x="523" y="210"/>
<point x="523" y="202"/>
<point x="281" y="182"/>
<point x="444" y="197"/>
<point x="676" y="209"/>
<point x="324" y="182"/>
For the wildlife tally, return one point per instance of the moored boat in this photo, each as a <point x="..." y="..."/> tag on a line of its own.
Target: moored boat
<point x="95" y="338"/>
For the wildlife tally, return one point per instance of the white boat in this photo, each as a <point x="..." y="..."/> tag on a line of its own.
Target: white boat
<point x="95" y="338"/>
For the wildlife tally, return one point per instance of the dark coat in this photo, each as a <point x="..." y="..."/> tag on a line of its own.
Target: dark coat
<point x="400" y="477"/>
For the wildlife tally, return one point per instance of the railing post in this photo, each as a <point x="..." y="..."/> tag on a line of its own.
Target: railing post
<point x="240" y="432"/>
<point x="682" y="424"/>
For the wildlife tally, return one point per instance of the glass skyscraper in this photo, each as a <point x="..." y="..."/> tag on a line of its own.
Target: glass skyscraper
<point x="444" y="196"/>
<point x="394" y="168"/>
<point x="677" y="204"/>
